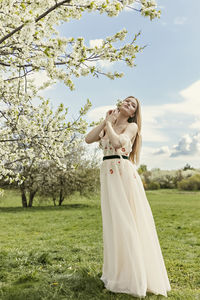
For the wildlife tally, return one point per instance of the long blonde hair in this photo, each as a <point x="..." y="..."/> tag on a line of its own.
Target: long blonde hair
<point x="134" y="156"/>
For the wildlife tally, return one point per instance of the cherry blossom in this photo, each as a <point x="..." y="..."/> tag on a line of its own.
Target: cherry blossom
<point x="29" y="44"/>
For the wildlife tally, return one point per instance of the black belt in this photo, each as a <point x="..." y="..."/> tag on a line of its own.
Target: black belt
<point x="115" y="156"/>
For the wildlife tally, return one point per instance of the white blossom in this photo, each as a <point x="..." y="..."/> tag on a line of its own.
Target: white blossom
<point x="29" y="44"/>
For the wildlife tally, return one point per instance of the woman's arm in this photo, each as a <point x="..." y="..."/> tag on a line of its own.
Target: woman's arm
<point x="114" y="138"/>
<point x="93" y="135"/>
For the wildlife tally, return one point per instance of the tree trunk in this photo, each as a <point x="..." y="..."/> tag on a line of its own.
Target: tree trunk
<point x="23" y="194"/>
<point x="61" y="198"/>
<point x="54" y="200"/>
<point x="31" y="196"/>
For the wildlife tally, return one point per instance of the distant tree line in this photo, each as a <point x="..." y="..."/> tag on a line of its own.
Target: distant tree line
<point x="187" y="178"/>
<point x="51" y="183"/>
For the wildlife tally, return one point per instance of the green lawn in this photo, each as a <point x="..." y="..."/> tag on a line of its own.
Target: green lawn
<point x="51" y="252"/>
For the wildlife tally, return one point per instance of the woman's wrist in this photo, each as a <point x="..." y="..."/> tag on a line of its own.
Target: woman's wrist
<point x="104" y="123"/>
<point x="107" y="122"/>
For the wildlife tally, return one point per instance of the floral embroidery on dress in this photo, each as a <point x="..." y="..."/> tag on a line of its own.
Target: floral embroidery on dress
<point x="111" y="171"/>
<point x="134" y="176"/>
<point x="109" y="149"/>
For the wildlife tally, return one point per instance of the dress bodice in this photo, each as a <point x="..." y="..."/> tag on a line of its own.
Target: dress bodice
<point x="108" y="148"/>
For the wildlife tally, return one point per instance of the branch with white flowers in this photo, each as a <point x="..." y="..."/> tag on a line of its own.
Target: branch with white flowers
<point x="32" y="134"/>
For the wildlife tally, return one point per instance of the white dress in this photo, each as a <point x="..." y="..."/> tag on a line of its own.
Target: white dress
<point x="132" y="257"/>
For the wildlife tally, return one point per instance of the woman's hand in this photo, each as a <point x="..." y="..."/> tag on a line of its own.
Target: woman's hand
<point x="112" y="115"/>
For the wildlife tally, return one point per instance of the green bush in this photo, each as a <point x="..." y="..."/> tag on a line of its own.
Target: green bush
<point x="153" y="185"/>
<point x="190" y="184"/>
<point x="167" y="179"/>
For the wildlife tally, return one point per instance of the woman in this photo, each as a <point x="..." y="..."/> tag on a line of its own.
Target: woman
<point x="133" y="261"/>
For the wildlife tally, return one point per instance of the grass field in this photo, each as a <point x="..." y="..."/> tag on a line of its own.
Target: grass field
<point x="51" y="252"/>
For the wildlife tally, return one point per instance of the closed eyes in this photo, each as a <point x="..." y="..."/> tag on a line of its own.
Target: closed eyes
<point x="131" y="103"/>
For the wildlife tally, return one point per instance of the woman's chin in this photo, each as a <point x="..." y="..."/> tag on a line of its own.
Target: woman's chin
<point x="125" y="111"/>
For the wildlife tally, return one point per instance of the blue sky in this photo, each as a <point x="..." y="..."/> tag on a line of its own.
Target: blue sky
<point x="166" y="80"/>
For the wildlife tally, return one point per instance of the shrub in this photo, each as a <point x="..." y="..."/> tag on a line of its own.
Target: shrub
<point x="164" y="178"/>
<point x="167" y="179"/>
<point x="153" y="185"/>
<point x="144" y="183"/>
<point x="190" y="184"/>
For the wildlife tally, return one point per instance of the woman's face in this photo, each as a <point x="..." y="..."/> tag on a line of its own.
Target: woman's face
<point x="129" y="105"/>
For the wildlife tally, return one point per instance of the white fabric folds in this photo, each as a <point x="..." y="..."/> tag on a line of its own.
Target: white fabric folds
<point x="132" y="257"/>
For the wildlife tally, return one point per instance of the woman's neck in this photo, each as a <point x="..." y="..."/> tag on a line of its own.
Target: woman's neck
<point x="121" y="120"/>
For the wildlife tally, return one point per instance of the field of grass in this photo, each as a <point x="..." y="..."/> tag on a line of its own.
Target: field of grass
<point x="49" y="252"/>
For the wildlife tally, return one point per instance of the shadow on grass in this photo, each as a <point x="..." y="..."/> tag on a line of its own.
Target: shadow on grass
<point x="44" y="208"/>
<point x="80" y="284"/>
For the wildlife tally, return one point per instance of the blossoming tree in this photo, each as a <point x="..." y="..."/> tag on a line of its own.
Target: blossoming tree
<point x="30" y="43"/>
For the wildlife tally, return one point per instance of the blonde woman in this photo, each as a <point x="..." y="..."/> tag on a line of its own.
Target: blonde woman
<point x="133" y="261"/>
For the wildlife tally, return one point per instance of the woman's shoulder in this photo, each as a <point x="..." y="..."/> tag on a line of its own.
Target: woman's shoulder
<point x="133" y="124"/>
<point x="132" y="127"/>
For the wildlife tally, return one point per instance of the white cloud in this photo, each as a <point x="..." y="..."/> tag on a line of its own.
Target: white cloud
<point x="150" y="134"/>
<point x="159" y="161"/>
<point x="180" y="20"/>
<point x="97" y="43"/>
<point x="195" y="124"/>
<point x="162" y="150"/>
<point x="188" y="145"/>
<point x="166" y="162"/>
<point x="150" y="128"/>
<point x="190" y="105"/>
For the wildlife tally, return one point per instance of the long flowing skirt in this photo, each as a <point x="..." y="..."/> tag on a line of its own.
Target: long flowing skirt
<point x="132" y="257"/>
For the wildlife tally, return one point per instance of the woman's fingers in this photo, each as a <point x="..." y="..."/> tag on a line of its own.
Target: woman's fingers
<point x="109" y="112"/>
<point x="112" y="112"/>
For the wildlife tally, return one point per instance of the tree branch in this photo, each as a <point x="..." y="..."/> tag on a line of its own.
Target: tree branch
<point x="36" y="20"/>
